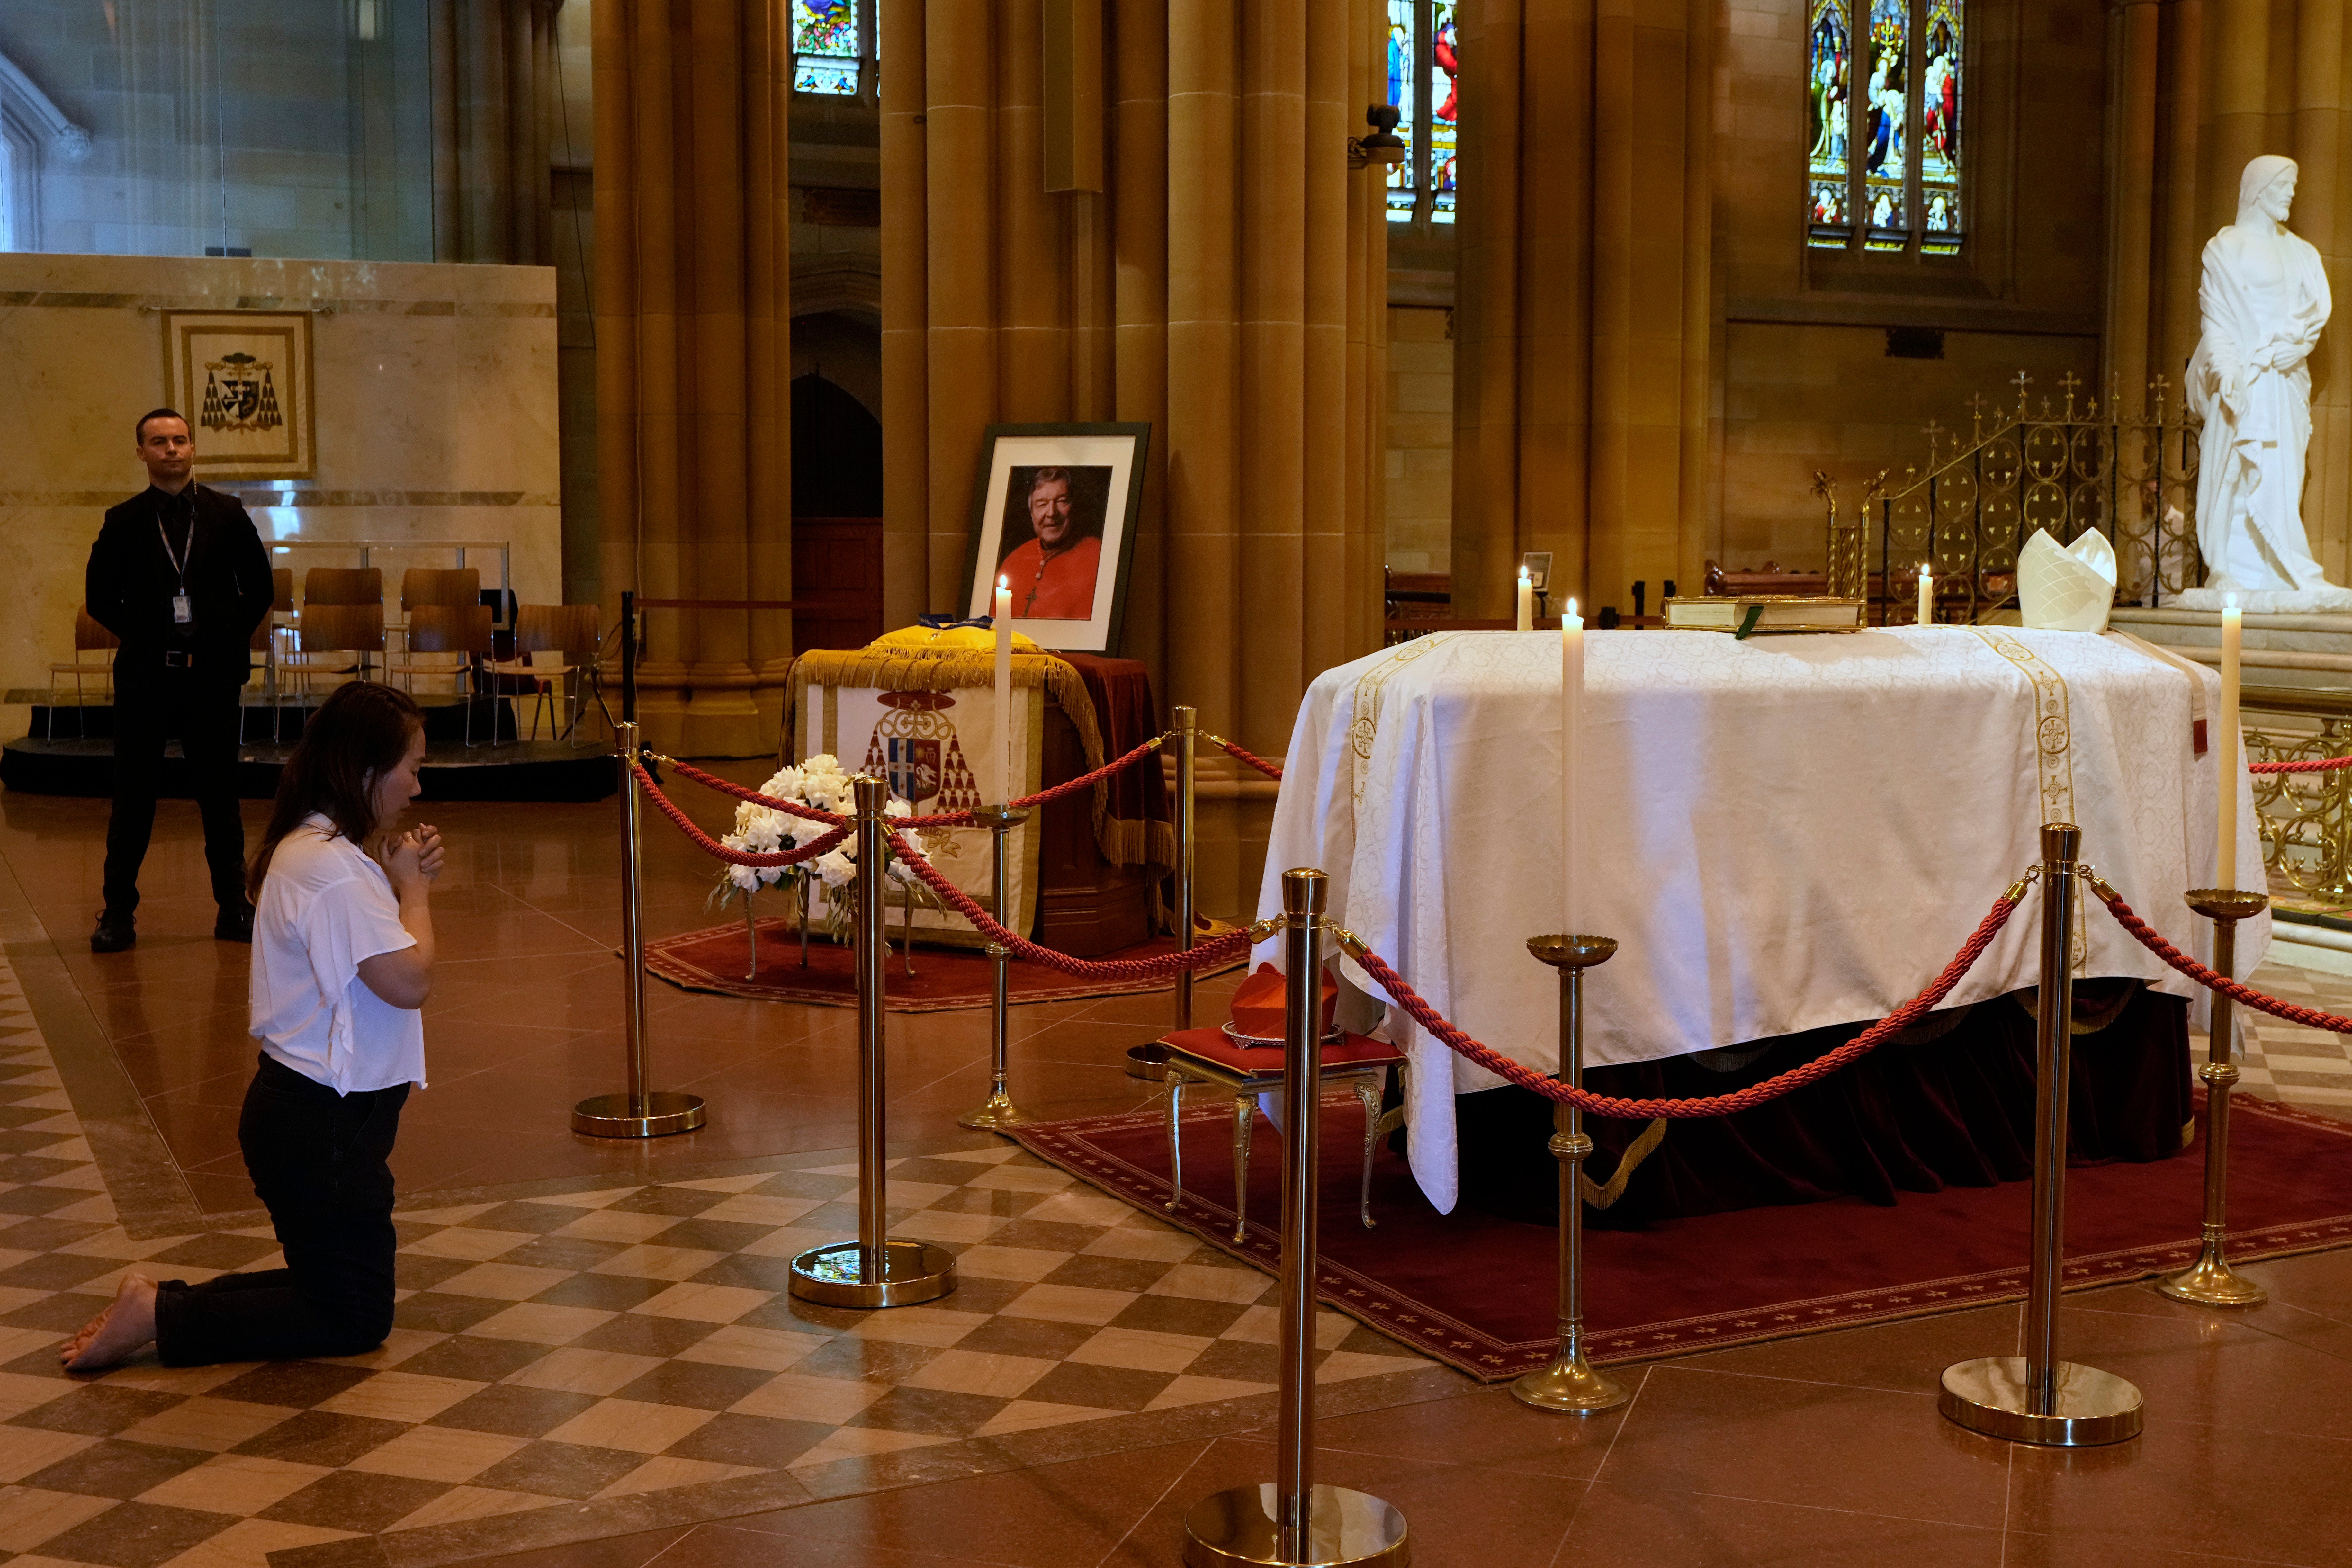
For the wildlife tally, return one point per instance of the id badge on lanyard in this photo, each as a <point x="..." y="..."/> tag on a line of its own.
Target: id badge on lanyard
<point x="183" y="612"/>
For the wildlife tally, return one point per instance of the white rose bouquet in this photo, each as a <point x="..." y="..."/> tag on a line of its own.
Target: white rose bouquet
<point x="823" y="785"/>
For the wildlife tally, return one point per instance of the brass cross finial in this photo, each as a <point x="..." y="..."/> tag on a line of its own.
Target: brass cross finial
<point x="2068" y="383"/>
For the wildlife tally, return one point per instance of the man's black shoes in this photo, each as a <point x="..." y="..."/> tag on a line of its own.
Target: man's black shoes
<point x="235" y="924"/>
<point x="114" y="932"/>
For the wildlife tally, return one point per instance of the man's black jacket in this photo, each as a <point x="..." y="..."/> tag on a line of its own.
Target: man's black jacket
<point x="131" y="582"/>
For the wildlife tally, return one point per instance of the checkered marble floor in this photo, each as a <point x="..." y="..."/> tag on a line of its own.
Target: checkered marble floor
<point x="2310" y="1067"/>
<point x="573" y="1359"/>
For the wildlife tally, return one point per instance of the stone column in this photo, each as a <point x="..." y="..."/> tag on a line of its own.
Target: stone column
<point x="1228" y="293"/>
<point x="693" y="356"/>
<point x="493" y="81"/>
<point x="1583" y="326"/>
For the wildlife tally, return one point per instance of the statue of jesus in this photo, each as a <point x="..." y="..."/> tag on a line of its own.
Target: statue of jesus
<point x="2264" y="298"/>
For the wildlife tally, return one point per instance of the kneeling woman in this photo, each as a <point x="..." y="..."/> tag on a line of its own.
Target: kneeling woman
<point x="342" y="959"/>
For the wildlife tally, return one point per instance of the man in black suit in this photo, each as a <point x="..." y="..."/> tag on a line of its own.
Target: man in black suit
<point x="179" y="575"/>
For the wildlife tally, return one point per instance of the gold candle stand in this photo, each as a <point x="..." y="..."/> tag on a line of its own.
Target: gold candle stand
<point x="639" y="1112"/>
<point x="1570" y="1383"/>
<point x="1291" y="1521"/>
<point x="875" y="1270"/>
<point x="2037" y="1397"/>
<point x="2211" y="1281"/>
<point x="997" y="1111"/>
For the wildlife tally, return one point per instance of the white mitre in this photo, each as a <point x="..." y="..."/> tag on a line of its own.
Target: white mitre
<point x="2068" y="589"/>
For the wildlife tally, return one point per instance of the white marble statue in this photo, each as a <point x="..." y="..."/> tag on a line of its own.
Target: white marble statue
<point x="2263" y="299"/>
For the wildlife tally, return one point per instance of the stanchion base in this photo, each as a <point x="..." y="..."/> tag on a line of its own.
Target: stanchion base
<point x="1346" y="1527"/>
<point x="657" y="1115"/>
<point x="835" y="1274"/>
<point x="1569" y="1384"/>
<point x="2212" y="1282"/>
<point x="1988" y="1396"/>
<point x="1149" y="1062"/>
<point x="995" y="1114"/>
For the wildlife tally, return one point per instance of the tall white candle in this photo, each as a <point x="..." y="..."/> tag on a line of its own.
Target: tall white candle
<point x="2225" y="748"/>
<point x="1526" y="601"/>
<point x="1002" y="623"/>
<point x="1927" y="596"/>
<point x="1571" y="756"/>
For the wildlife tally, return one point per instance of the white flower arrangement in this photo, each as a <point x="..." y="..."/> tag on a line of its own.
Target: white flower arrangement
<point x="823" y="785"/>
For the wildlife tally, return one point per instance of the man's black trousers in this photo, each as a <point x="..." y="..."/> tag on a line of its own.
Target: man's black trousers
<point x="319" y="1160"/>
<point x="200" y="707"/>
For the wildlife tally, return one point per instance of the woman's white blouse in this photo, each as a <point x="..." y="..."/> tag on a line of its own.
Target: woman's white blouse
<point x="325" y="906"/>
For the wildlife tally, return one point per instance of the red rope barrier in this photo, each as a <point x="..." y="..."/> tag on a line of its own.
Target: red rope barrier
<point x="2213" y="980"/>
<point x="1270" y="769"/>
<point x="712" y="847"/>
<point x="941" y="819"/>
<point x="2309" y="765"/>
<point x="1821" y="1067"/>
<point x="1215" y="951"/>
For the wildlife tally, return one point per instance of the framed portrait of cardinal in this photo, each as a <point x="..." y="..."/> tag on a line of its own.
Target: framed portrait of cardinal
<point x="1054" y="515"/>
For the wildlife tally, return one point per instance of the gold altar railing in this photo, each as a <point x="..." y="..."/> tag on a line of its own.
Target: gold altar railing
<point x="2082" y="465"/>
<point x="2305" y="819"/>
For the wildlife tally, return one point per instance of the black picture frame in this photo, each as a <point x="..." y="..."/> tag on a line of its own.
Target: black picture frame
<point x="1102" y="486"/>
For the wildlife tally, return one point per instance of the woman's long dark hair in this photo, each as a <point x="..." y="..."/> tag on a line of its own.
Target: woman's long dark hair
<point x="359" y="733"/>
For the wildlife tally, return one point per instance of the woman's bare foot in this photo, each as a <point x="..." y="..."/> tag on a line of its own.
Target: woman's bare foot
<point x="117" y="1333"/>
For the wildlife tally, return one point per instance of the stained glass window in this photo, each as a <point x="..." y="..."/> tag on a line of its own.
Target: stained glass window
<point x="1444" y="97"/>
<point x="1403" y="179"/>
<point x="1882" y="92"/>
<point x="1939" y="130"/>
<point x="1422" y="88"/>
<point x="825" y="46"/>
<point x="1829" y="68"/>
<point x="1886" y="124"/>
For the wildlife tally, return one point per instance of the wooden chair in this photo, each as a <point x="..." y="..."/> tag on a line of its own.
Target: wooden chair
<point x="328" y="630"/>
<point x="444" y="629"/>
<point x="89" y="637"/>
<point x="356" y="587"/>
<point x="568" y="631"/>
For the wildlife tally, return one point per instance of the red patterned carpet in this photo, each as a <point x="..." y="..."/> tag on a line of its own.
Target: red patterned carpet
<point x="716" y="960"/>
<point x="1477" y="1291"/>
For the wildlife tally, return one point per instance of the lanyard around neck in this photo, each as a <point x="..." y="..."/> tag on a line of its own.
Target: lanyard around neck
<point x="179" y="559"/>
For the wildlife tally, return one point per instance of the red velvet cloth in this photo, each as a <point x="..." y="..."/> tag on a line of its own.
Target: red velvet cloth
<point x="1955" y="1110"/>
<point x="1126" y="711"/>
<point x="1216" y="1045"/>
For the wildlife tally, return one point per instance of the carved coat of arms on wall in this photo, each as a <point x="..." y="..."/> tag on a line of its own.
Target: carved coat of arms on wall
<point x="243" y="378"/>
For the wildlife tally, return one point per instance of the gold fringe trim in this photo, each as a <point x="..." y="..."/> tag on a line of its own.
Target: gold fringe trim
<point x="1124" y="842"/>
<point x="1599" y="1196"/>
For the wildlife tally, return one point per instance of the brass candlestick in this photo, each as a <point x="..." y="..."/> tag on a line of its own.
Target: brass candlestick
<point x="1570" y="1383"/>
<point x="997" y="1111"/>
<point x="2211" y="1281"/>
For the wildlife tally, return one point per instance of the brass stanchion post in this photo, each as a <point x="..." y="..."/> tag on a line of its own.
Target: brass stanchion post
<point x="641" y="1112"/>
<point x="997" y="1111"/>
<point x="1291" y="1521"/>
<point x="1570" y="1383"/>
<point x="1187" y="736"/>
<point x="2211" y="1281"/>
<point x="875" y="1270"/>
<point x="2037" y="1397"/>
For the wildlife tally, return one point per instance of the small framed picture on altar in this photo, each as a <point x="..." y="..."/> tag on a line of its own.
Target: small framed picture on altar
<point x="1053" y="514"/>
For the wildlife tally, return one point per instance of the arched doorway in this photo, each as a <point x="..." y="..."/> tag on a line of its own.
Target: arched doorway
<point x="837" y="517"/>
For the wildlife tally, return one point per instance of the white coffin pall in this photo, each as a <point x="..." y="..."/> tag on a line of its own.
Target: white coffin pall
<point x="2069" y="589"/>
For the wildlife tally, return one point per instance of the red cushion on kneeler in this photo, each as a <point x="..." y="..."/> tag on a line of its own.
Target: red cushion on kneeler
<point x="1267" y="1061"/>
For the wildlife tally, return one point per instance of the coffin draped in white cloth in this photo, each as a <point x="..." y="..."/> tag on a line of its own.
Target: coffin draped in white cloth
<point x="1783" y="834"/>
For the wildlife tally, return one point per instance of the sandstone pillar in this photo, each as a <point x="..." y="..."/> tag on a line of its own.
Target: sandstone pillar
<point x="1227" y="287"/>
<point x="1583" y="326"/>
<point x="693" y="355"/>
<point x="493" y="81"/>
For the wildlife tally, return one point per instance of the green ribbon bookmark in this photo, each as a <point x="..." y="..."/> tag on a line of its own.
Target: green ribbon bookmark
<point x="1747" y="622"/>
